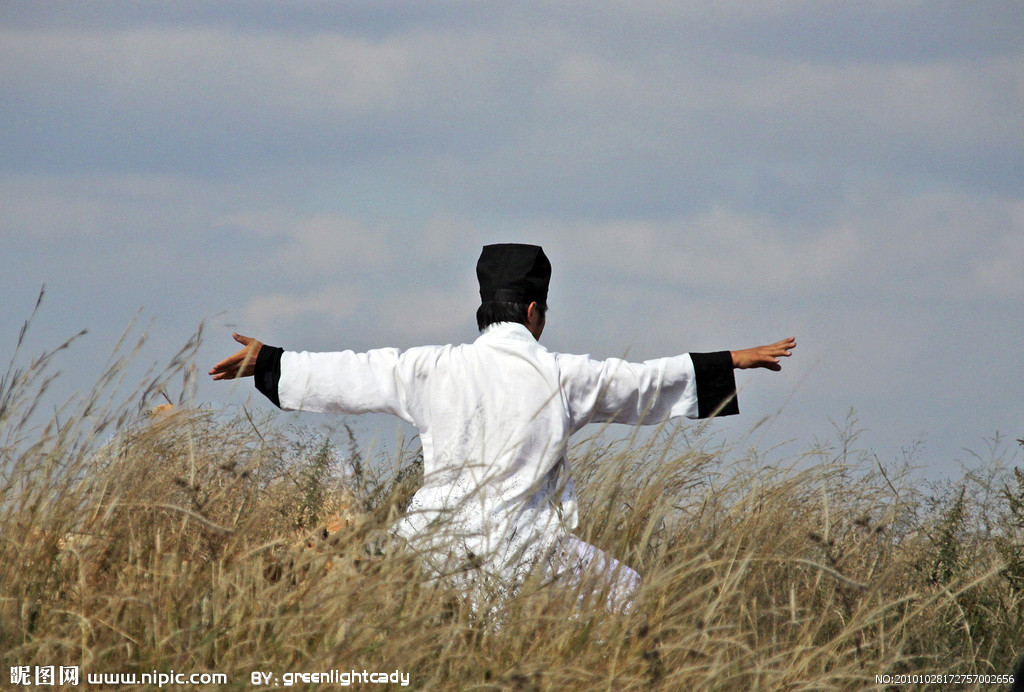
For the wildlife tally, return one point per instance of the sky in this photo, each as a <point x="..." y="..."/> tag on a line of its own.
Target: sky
<point x="703" y="176"/>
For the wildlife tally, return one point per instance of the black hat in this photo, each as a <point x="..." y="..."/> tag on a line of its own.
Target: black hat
<point x="513" y="273"/>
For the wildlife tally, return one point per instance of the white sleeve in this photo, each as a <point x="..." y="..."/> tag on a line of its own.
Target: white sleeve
<point x="348" y="382"/>
<point x="617" y="391"/>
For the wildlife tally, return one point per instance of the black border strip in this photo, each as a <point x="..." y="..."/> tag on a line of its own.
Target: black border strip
<point x="268" y="372"/>
<point x="716" y="384"/>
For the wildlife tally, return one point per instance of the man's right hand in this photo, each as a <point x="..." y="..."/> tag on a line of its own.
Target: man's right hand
<point x="241" y="364"/>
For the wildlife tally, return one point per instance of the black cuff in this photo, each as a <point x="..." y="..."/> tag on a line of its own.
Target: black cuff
<point x="268" y="372"/>
<point x="716" y="384"/>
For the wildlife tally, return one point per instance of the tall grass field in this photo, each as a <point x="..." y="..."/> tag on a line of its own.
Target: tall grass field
<point x="196" y="542"/>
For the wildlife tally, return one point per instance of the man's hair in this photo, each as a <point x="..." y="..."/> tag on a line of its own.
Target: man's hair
<point x="494" y="311"/>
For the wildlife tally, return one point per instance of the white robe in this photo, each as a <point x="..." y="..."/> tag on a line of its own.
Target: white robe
<point x="494" y="418"/>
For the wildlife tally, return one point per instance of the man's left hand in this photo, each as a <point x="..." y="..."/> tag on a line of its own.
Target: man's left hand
<point x="764" y="356"/>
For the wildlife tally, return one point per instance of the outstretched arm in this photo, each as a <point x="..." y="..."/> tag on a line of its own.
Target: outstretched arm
<point x="241" y="364"/>
<point x="763" y="356"/>
<point x="338" y="382"/>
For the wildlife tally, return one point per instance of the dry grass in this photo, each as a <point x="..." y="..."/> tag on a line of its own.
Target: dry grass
<point x="197" y="543"/>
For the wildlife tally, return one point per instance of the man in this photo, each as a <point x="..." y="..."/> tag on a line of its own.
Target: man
<point x="495" y="418"/>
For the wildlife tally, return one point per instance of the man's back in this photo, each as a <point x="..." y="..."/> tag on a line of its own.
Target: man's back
<point x="495" y="418"/>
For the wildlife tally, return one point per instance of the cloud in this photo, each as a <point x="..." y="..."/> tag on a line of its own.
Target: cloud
<point x="324" y="243"/>
<point x="428" y="315"/>
<point x="247" y="73"/>
<point x="1000" y="270"/>
<point x="549" y="117"/>
<point x="200" y="97"/>
<point x="102" y="207"/>
<point x="314" y="245"/>
<point x="718" y="249"/>
<point x="283" y="309"/>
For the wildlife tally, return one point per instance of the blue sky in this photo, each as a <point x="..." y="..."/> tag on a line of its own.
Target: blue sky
<point x="703" y="175"/>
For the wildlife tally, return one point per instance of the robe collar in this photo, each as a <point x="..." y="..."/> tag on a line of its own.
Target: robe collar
<point x="507" y="330"/>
